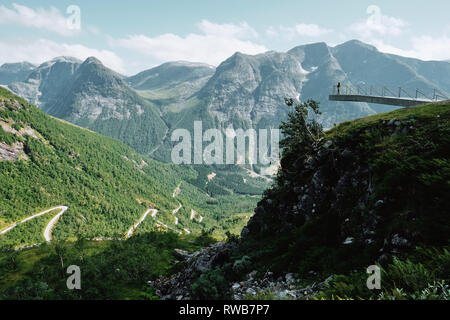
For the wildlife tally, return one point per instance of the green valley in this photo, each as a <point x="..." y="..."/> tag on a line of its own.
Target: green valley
<point x="107" y="186"/>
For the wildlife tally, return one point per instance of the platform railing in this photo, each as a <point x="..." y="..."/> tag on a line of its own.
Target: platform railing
<point x="385" y="91"/>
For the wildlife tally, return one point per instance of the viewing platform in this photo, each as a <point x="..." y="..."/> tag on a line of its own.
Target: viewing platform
<point x="384" y="96"/>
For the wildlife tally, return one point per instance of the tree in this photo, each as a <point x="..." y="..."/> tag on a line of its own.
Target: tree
<point x="301" y="132"/>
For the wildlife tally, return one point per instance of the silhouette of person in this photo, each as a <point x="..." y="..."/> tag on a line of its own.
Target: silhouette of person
<point x="339" y="88"/>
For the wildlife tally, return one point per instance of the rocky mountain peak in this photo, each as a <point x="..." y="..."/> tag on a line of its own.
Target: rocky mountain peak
<point x="172" y="74"/>
<point x="355" y="44"/>
<point x="92" y="60"/>
<point x="312" y="55"/>
<point x="16" y="67"/>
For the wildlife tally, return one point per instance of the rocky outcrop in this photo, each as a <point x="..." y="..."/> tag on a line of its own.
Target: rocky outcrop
<point x="286" y="287"/>
<point x="12" y="152"/>
<point x="338" y="185"/>
<point x="363" y="193"/>
<point x="178" y="286"/>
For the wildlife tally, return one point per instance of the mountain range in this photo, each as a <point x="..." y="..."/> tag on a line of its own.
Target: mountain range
<point x="95" y="97"/>
<point x="243" y="91"/>
<point x="369" y="192"/>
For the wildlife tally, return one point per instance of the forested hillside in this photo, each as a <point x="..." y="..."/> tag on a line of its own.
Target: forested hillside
<point x="46" y="162"/>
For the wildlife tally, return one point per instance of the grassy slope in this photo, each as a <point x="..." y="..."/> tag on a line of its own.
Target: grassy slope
<point x="110" y="269"/>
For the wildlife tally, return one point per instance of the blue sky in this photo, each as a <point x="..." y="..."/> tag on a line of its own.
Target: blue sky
<point x="133" y="35"/>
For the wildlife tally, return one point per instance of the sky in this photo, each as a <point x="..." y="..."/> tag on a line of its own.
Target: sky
<point x="134" y="35"/>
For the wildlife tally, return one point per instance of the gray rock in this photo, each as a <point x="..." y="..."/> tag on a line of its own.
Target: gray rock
<point x="391" y="122"/>
<point x="251" y="291"/>
<point x="399" y="241"/>
<point x="236" y="286"/>
<point x="379" y="203"/>
<point x="290" y="278"/>
<point x="348" y="240"/>
<point x="181" y="255"/>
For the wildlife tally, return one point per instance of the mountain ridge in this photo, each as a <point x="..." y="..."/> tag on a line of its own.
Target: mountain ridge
<point x="243" y="91"/>
<point x="13" y="72"/>
<point x="90" y="95"/>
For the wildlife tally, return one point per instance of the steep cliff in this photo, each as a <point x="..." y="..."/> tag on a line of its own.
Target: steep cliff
<point x="371" y="191"/>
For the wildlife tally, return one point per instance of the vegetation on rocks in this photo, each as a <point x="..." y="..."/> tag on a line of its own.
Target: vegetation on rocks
<point x="374" y="191"/>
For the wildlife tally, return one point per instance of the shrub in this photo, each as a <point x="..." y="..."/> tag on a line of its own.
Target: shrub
<point x="260" y="295"/>
<point x="242" y="265"/>
<point x="408" y="275"/>
<point x="210" y="285"/>
<point x="351" y="286"/>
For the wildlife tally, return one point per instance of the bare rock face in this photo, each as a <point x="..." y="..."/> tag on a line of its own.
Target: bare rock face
<point x="253" y="87"/>
<point x="181" y="255"/>
<point x="92" y="96"/>
<point x="13" y="152"/>
<point x="45" y="82"/>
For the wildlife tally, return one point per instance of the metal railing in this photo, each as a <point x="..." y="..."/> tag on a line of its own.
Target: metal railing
<point x="384" y="91"/>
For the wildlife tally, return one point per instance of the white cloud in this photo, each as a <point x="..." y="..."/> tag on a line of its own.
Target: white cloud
<point x="381" y="30"/>
<point x="272" y="32"/>
<point x="422" y="47"/>
<point x="227" y="30"/>
<point x="301" y="29"/>
<point x="50" y="19"/>
<point x="215" y="43"/>
<point x="430" y="48"/>
<point x="311" y="30"/>
<point x="43" y="50"/>
<point x="378" y="24"/>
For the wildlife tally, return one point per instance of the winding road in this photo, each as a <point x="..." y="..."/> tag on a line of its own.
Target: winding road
<point x="48" y="228"/>
<point x="133" y="228"/>
<point x="51" y="224"/>
<point x="177" y="209"/>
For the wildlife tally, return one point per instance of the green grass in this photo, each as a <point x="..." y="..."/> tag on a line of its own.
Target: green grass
<point x="427" y="112"/>
<point x="109" y="269"/>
